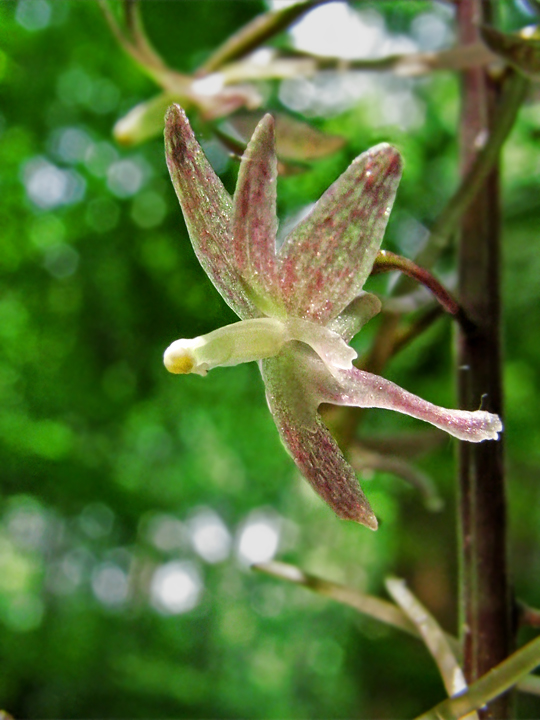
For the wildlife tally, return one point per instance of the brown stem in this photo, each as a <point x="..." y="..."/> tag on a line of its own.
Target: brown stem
<point x="486" y="627"/>
<point x="387" y="261"/>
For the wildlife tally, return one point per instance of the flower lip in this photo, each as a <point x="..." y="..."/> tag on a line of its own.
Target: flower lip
<point x="179" y="358"/>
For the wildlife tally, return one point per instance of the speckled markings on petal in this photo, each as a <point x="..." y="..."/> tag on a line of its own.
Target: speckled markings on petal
<point x="254" y="224"/>
<point x="328" y="256"/>
<point x="294" y="409"/>
<point x="207" y="209"/>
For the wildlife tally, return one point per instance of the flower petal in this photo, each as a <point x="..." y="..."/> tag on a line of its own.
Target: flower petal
<point x="349" y="322"/>
<point x="327" y="258"/>
<point x="362" y="389"/>
<point x="207" y="209"/>
<point x="254" y="224"/>
<point x="294" y="409"/>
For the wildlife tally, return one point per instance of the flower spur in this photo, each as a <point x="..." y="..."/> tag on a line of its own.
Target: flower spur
<point x="300" y="304"/>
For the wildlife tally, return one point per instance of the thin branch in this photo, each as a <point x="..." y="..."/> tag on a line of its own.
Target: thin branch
<point x="374" y="607"/>
<point x="530" y="684"/>
<point x="363" y="459"/>
<point x="409" y="64"/>
<point x="432" y="635"/>
<point x="388" y="261"/>
<point x="528" y="615"/>
<point x="256" y="32"/>
<point x="371" y="606"/>
<point x="514" y="93"/>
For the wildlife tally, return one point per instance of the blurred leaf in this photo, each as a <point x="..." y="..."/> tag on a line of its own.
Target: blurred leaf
<point x="295" y="140"/>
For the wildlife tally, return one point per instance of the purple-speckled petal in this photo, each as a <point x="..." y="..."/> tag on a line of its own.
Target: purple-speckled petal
<point x="207" y="209"/>
<point x="294" y="409"/>
<point x="254" y="224"/>
<point x="362" y="389"/>
<point x="328" y="256"/>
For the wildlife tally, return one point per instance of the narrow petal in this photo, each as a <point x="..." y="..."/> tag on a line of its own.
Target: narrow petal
<point x="207" y="209"/>
<point x="362" y="389"/>
<point x="328" y="256"/>
<point x="308" y="440"/>
<point x="254" y="224"/>
<point x="355" y="316"/>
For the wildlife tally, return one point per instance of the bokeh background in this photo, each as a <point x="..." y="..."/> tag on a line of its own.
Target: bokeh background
<point x="132" y="502"/>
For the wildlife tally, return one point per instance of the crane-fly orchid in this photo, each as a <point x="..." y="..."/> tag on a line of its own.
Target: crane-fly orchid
<point x="299" y="304"/>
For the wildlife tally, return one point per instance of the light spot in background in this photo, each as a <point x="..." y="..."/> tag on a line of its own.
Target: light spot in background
<point x="209" y="85"/>
<point x="431" y="32"/>
<point x="24" y="612"/>
<point x="328" y="93"/>
<point x="125" y="177"/>
<point x="33" y="15"/>
<point x="61" y="261"/>
<point x="336" y="30"/>
<point x="47" y="230"/>
<point x="68" y="573"/>
<point x="403" y="109"/>
<point x="110" y="584"/>
<point x="149" y="209"/>
<point x="71" y="144"/>
<point x="99" y="157"/>
<point x="102" y="214"/>
<point x="104" y="96"/>
<point x="165" y="532"/>
<point x="20" y="609"/>
<point x="26" y="522"/>
<point x="176" y="588"/>
<point x="412" y="235"/>
<point x="209" y="536"/>
<point x="258" y="538"/>
<point x="96" y="520"/>
<point x="74" y="86"/>
<point x="48" y="186"/>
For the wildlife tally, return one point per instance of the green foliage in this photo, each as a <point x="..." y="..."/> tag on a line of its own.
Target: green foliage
<point x="107" y="461"/>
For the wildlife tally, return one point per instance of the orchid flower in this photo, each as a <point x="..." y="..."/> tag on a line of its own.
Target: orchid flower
<point x="299" y="304"/>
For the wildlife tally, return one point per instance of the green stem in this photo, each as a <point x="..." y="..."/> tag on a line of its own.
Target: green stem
<point x="515" y="91"/>
<point x="490" y="686"/>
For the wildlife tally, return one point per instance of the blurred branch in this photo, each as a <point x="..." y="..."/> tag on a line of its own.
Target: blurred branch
<point x="409" y="64"/>
<point x="374" y="607"/>
<point x="514" y="92"/>
<point x="394" y="616"/>
<point x="363" y="459"/>
<point x="432" y="635"/>
<point x="530" y="684"/>
<point x="490" y="686"/>
<point x="256" y="32"/>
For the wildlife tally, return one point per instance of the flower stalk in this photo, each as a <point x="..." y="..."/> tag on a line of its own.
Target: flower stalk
<point x="486" y="627"/>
